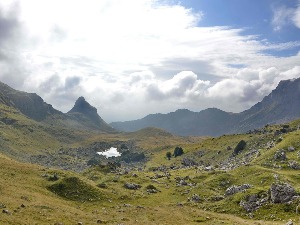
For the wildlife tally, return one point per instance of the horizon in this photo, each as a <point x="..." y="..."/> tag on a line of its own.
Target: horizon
<point x="140" y="57"/>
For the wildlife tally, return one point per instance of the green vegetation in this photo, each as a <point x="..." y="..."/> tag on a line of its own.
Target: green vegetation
<point x="65" y="190"/>
<point x="178" y="151"/>
<point x="168" y="155"/>
<point x="240" y="146"/>
<point x="73" y="188"/>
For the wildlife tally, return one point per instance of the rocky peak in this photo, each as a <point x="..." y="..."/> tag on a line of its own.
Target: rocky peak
<point x="83" y="111"/>
<point x="82" y="106"/>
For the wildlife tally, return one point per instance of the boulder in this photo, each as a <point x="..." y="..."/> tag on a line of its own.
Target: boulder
<point x="188" y="162"/>
<point x="195" y="198"/>
<point x="294" y="165"/>
<point x="282" y="193"/>
<point x="235" y="189"/>
<point x="253" y="202"/>
<point x="183" y="183"/>
<point x="132" y="186"/>
<point x="291" y="149"/>
<point x="280" y="155"/>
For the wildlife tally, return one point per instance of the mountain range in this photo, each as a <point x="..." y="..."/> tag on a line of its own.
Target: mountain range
<point x="81" y="116"/>
<point x="280" y="106"/>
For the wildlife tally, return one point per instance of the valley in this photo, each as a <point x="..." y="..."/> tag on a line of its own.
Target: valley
<point x="51" y="173"/>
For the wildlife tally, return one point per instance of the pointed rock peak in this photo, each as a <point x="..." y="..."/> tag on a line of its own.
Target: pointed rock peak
<point x="82" y="106"/>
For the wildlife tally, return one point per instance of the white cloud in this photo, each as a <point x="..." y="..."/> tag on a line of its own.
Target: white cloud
<point x="132" y="58"/>
<point x="297" y="16"/>
<point x="283" y="16"/>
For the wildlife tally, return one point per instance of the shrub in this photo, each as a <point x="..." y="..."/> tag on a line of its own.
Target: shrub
<point x="178" y="151"/>
<point x="240" y="146"/>
<point x="169" y="155"/>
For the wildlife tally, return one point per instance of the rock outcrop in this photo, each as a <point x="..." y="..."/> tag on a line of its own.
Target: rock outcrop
<point x="282" y="193"/>
<point x="235" y="189"/>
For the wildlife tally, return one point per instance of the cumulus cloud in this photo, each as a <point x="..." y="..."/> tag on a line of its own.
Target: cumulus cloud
<point x="180" y="86"/>
<point x="132" y="58"/>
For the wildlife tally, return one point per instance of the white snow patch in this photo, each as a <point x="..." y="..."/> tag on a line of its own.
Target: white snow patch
<point x="112" y="152"/>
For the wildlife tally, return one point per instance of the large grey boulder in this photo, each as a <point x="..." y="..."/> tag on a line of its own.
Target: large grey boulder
<point x="282" y="193"/>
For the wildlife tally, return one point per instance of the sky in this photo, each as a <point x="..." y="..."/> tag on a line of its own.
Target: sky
<point x="137" y="57"/>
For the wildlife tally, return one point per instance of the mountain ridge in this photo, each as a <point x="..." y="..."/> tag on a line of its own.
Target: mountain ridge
<point x="281" y="105"/>
<point x="83" y="116"/>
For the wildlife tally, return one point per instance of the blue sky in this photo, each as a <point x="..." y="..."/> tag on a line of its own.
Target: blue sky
<point x="136" y="57"/>
<point x="255" y="16"/>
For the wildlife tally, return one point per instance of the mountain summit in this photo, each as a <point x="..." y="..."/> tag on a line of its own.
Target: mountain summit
<point x="82" y="106"/>
<point x="84" y="111"/>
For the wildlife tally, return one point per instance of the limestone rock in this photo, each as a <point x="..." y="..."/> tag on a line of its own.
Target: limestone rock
<point x="282" y="193"/>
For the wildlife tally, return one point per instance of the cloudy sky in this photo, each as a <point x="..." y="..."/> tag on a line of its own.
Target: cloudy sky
<point x="136" y="57"/>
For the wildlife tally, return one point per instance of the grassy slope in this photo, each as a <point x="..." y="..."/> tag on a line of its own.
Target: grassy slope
<point x="45" y="207"/>
<point x="24" y="136"/>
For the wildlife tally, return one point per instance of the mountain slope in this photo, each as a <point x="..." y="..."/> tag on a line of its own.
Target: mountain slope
<point x="30" y="104"/>
<point x="282" y="105"/>
<point x="82" y="116"/>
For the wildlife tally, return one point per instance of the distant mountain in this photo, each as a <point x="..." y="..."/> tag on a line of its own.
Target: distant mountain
<point x="81" y="116"/>
<point x="282" y="105"/>
<point x="83" y="111"/>
<point x="183" y="122"/>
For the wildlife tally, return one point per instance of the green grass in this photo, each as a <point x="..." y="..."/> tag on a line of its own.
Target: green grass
<point x="73" y="188"/>
<point x="97" y="194"/>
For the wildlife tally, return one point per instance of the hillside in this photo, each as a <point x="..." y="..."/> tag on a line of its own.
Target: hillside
<point x="30" y="104"/>
<point x="249" y="178"/>
<point x="82" y="116"/>
<point x="208" y="184"/>
<point x="281" y="105"/>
